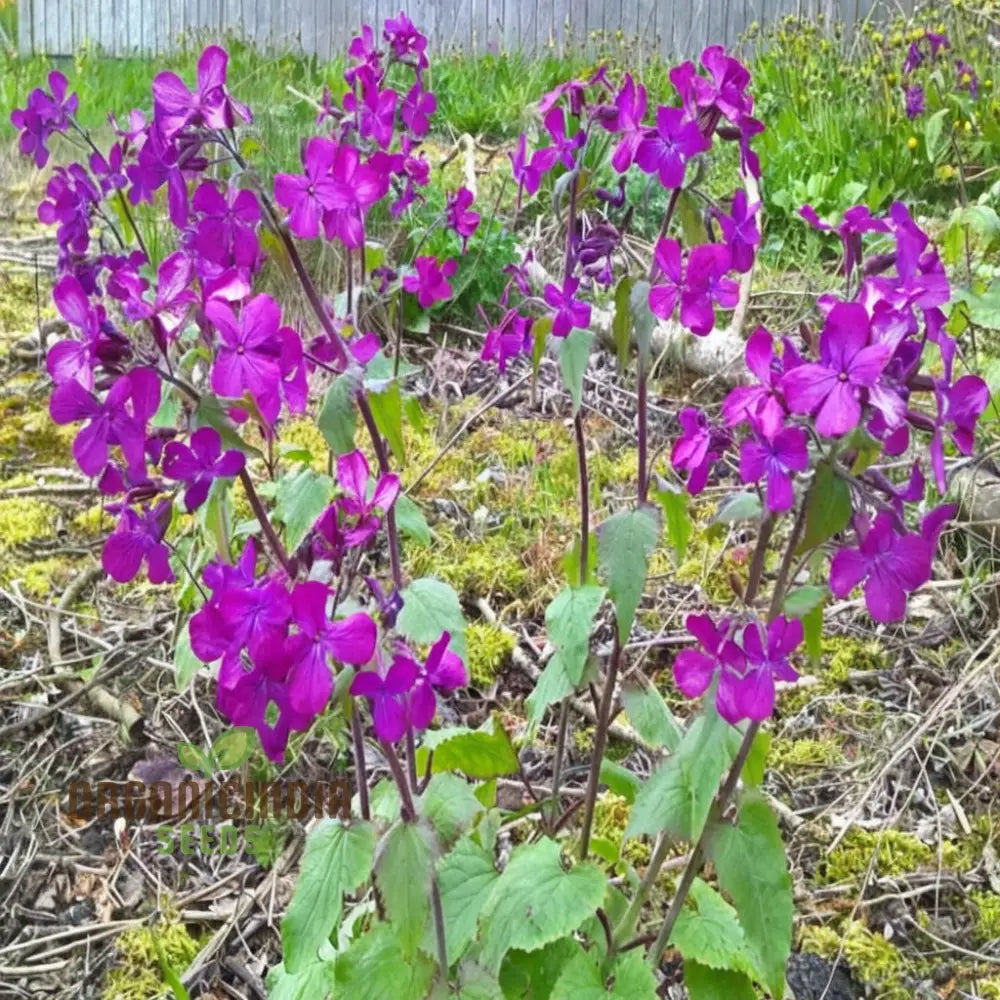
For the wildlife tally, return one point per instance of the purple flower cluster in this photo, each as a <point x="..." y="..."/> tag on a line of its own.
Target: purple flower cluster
<point x="924" y="52"/>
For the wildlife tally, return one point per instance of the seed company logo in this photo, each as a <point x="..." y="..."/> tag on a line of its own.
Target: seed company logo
<point x="210" y="810"/>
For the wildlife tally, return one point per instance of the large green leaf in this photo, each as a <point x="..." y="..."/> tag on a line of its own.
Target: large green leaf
<point x="624" y="544"/>
<point x="314" y="981"/>
<point x="649" y="715"/>
<point x="621" y="324"/>
<point x="387" y="409"/>
<point x="450" y="804"/>
<point x="299" y="500"/>
<point x="643" y="319"/>
<point x="374" y="968"/>
<point x="411" y="521"/>
<point x="431" y="607"/>
<point x="531" y="975"/>
<point x="708" y="932"/>
<point x="186" y="664"/>
<point x="536" y="901"/>
<point x="828" y="508"/>
<point x="574" y="353"/>
<point x="629" y="978"/>
<point x="466" y="877"/>
<point x="403" y="875"/>
<point x="678" y="521"/>
<point x="337" y="859"/>
<point x="210" y="413"/>
<point x="704" y="983"/>
<point x="752" y="869"/>
<point x="485" y="752"/>
<point x="678" y="795"/>
<point x="338" y="417"/>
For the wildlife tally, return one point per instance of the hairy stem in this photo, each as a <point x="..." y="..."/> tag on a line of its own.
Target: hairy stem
<point x="437" y="912"/>
<point x="265" y="524"/>
<point x="757" y="563"/>
<point x="360" y="768"/>
<point x="628" y="922"/>
<point x="407" y="808"/>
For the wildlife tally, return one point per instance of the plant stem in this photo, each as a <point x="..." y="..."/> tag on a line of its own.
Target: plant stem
<point x="360" y="768"/>
<point x="781" y="583"/>
<point x="557" y="764"/>
<point x="757" y="563"/>
<point x="642" y="426"/>
<point x="628" y="922"/>
<point x="407" y="808"/>
<point x="269" y="533"/>
<point x="383" y="464"/>
<point x="437" y="911"/>
<point x="411" y="760"/>
<point x="600" y="741"/>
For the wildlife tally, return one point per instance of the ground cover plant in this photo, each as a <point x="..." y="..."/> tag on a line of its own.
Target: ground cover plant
<point x="251" y="432"/>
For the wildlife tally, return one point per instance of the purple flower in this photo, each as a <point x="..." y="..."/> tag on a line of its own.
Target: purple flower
<point x="739" y="229"/>
<point x="211" y="105"/>
<point x="892" y="565"/>
<point x="42" y="115"/>
<point x="226" y="232"/>
<point x="248" y="352"/>
<point x="73" y="360"/>
<point x="356" y="187"/>
<point x="173" y="300"/>
<point x="139" y="537"/>
<point x="959" y="409"/>
<point x="353" y="475"/>
<point x="375" y="112"/>
<point x="464" y="222"/>
<point x="698" y="447"/>
<point x="389" y="696"/>
<point x="630" y="110"/>
<point x="199" y="465"/>
<point x="966" y="78"/>
<point x="914" y="57"/>
<point x="571" y="312"/>
<point x="308" y="196"/>
<point x="442" y="671"/>
<point x="706" y="283"/>
<point x="665" y="294"/>
<point x="726" y="90"/>
<point x="430" y="283"/>
<point x="364" y="50"/>
<point x="350" y="640"/>
<point x="937" y="43"/>
<point x="418" y="107"/>
<point x="508" y="339"/>
<point x="746" y="684"/>
<point x="856" y="221"/>
<point x="848" y="364"/>
<point x="666" y="149"/>
<point x="695" y="668"/>
<point x="408" y="45"/>
<point x="565" y="146"/>
<point x="528" y="173"/>
<point x="762" y="402"/>
<point x="777" y="458"/>
<point x="914" y="101"/>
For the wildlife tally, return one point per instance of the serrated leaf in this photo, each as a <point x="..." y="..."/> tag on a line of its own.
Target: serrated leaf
<point x="411" y="521"/>
<point x="338" y="417"/>
<point x="533" y="974"/>
<point x="186" y="664"/>
<point x="708" y="931"/>
<point x="620" y="780"/>
<point x="234" y="746"/>
<point x="299" y="500"/>
<point x="431" y="607"/>
<point x="752" y="869"/>
<point x="574" y="353"/>
<point x="649" y="715"/>
<point x="743" y="506"/>
<point x="716" y="984"/>
<point x="621" y="324"/>
<point x="630" y="978"/>
<point x="387" y="409"/>
<point x="314" y="981"/>
<point x="191" y="757"/>
<point x="450" y="805"/>
<point x="374" y="967"/>
<point x="485" y="752"/>
<point x="337" y="859"/>
<point x="624" y="544"/>
<point x="677" y="796"/>
<point x="802" y="600"/>
<point x="678" y="521"/>
<point x="569" y="619"/>
<point x="643" y="320"/>
<point x="210" y="413"/>
<point x="828" y="508"/>
<point x="466" y="877"/>
<point x="553" y="684"/>
<point x="403" y="874"/>
<point x="536" y="901"/>
<point x="475" y="983"/>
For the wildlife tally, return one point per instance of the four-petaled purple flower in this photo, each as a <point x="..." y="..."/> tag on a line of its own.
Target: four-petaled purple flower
<point x="416" y="111"/>
<point x="761" y="402"/>
<point x="200" y="464"/>
<point x="705" y="285"/>
<point x="777" y="458"/>
<point x="739" y="229"/>
<point x="528" y="172"/>
<point x="571" y="312"/>
<point x="137" y="538"/>
<point x="698" y="447"/>
<point x="666" y="149"/>
<point x="959" y="409"/>
<point x="353" y="476"/>
<point x="464" y="222"/>
<point x="42" y="115"/>
<point x="430" y="283"/>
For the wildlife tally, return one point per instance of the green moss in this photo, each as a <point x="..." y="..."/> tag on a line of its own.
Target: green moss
<point x="137" y="975"/>
<point x="874" y="961"/>
<point x="38" y="578"/>
<point x="987" y="915"/>
<point x="19" y="305"/>
<point x="24" y="519"/>
<point x="610" y="820"/>
<point x="895" y="853"/>
<point x="94" y="520"/>
<point x="806" y="753"/>
<point x="841" y="655"/>
<point x="27" y="434"/>
<point x="302" y="435"/>
<point x="489" y="649"/>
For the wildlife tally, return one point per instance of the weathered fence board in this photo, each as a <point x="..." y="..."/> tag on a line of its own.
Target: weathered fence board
<point x="324" y="27"/>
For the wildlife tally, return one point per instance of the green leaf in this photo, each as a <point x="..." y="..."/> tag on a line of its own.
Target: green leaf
<point x="536" y="901"/>
<point x="431" y="607"/>
<point x="649" y="715"/>
<point x="678" y="521"/>
<point x="620" y="780"/>
<point x="828" y="509"/>
<point x="338" y="416"/>
<point x="716" y="984"/>
<point x="337" y="859"/>
<point x="450" y="805"/>
<point x="314" y="981"/>
<point x="812" y="626"/>
<point x="630" y="978"/>
<point x="553" y="684"/>
<point x="403" y="875"/>
<point x="801" y="601"/>
<point x="933" y="127"/>
<point x="678" y="795"/>
<point x="387" y="409"/>
<point x="191" y="757"/>
<point x="569" y="619"/>
<point x="234" y="746"/>
<point x="756" y="762"/>
<point x="744" y="506"/>
<point x="299" y="500"/>
<point x="169" y="408"/>
<point x="374" y="968"/>
<point x="411" y="521"/>
<point x="186" y="664"/>
<point x="708" y="931"/>
<point x="643" y="320"/>
<point x="624" y="544"/>
<point x="475" y="983"/>
<point x="621" y="325"/>
<point x="574" y="352"/>
<point x="531" y="975"/>
<point x="210" y="413"/>
<point x="485" y="752"/>
<point x="540" y="331"/>
<point x="752" y="869"/>
<point x="466" y="877"/>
